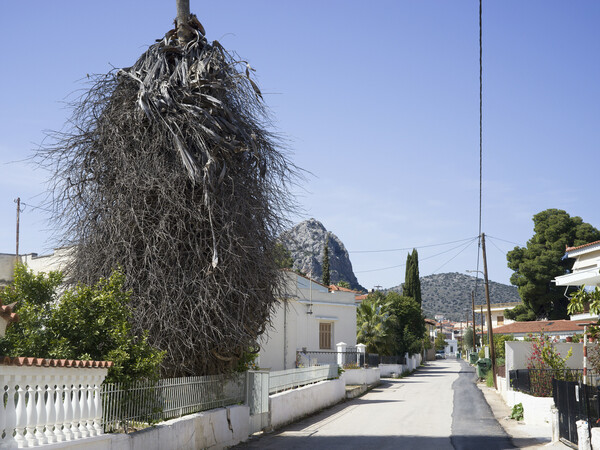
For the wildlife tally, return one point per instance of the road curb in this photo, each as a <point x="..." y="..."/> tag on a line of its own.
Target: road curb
<point x="522" y="435"/>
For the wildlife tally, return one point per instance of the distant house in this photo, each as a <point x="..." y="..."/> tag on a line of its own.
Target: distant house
<point x="431" y="326"/>
<point x="57" y="260"/>
<point x="311" y="318"/>
<point x="558" y="329"/>
<point x="497" y="313"/>
<point x="7" y="268"/>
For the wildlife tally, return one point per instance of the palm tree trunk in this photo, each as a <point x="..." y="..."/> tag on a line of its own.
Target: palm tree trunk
<point x="183" y="10"/>
<point x="183" y="15"/>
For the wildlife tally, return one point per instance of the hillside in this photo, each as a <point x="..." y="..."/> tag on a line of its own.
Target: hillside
<point x="450" y="294"/>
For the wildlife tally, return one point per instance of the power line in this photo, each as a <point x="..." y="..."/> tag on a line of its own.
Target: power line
<point x="504" y="240"/>
<point x="420" y="259"/>
<point x="480" y="140"/>
<point x="499" y="249"/>
<point x="34" y="207"/>
<point x="462" y="250"/>
<point x="414" y="246"/>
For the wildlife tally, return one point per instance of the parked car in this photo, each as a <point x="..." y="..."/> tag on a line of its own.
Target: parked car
<point x="440" y="354"/>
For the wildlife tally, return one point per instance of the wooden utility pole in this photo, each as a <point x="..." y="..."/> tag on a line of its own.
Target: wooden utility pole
<point x="489" y="312"/>
<point x="481" y="314"/>
<point x="18" y="202"/>
<point x="473" y="309"/>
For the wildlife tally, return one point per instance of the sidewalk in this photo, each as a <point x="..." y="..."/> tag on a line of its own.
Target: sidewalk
<point x="523" y="435"/>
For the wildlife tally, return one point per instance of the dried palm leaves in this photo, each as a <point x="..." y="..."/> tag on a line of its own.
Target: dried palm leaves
<point x="169" y="172"/>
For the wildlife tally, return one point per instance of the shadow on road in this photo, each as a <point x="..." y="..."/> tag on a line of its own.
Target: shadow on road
<point x="288" y="440"/>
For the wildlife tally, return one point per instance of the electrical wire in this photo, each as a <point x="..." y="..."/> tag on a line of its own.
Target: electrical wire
<point x="480" y="141"/>
<point x="420" y="259"/>
<point x="34" y="207"/>
<point x="504" y="240"/>
<point x="499" y="249"/>
<point x="412" y="247"/>
<point x="462" y="250"/>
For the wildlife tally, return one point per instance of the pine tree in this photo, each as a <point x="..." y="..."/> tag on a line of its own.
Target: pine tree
<point x="326" y="275"/>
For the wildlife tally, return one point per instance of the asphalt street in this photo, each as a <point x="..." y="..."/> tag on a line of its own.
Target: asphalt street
<point x="439" y="407"/>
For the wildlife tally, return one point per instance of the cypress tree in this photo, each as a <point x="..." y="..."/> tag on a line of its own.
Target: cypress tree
<point x="326" y="275"/>
<point x="412" y="284"/>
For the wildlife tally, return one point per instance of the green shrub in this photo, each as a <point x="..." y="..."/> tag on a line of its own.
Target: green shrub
<point x="85" y="322"/>
<point x="517" y="412"/>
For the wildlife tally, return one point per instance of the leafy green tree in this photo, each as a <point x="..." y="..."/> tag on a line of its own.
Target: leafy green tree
<point x="520" y="313"/>
<point x="343" y="284"/>
<point x="34" y="296"/>
<point x="537" y="264"/>
<point x="468" y="338"/>
<point x="86" y="322"/>
<point x="283" y="257"/>
<point x="440" y="341"/>
<point x="326" y="272"/>
<point x="374" y="325"/>
<point x="499" y="346"/>
<point x="409" y="326"/>
<point x="412" y="283"/>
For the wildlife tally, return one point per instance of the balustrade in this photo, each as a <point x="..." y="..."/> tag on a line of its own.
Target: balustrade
<point x="43" y="405"/>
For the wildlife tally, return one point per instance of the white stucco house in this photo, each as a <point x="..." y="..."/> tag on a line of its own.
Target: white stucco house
<point x="57" y="260"/>
<point x="497" y="313"/>
<point x="585" y="271"/>
<point x="310" y="318"/>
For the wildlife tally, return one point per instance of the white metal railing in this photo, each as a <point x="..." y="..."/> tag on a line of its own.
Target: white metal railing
<point x="128" y="406"/>
<point x="43" y="405"/>
<point x="282" y="380"/>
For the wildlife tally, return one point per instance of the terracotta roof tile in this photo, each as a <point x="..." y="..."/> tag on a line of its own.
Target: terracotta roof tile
<point x="547" y="326"/>
<point x="333" y="287"/>
<point x="43" y="362"/>
<point x="6" y="312"/>
<point x="570" y="249"/>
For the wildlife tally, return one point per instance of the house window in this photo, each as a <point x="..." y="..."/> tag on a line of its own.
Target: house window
<point x="325" y="334"/>
<point x="500" y="320"/>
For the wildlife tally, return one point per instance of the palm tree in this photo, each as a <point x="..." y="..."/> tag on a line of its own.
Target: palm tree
<point x="373" y="325"/>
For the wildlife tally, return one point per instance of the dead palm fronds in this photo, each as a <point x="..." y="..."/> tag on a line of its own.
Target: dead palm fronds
<point x="169" y="172"/>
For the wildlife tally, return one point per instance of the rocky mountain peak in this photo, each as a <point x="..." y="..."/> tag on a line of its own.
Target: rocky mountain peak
<point x="306" y="242"/>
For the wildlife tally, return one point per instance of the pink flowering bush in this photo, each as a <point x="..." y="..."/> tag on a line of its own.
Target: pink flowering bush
<point x="545" y="363"/>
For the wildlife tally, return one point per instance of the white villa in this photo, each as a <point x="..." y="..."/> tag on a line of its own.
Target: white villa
<point x="585" y="271"/>
<point x="497" y="313"/>
<point x="311" y="318"/>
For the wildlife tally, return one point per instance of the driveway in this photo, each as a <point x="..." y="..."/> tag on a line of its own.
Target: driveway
<point x="439" y="407"/>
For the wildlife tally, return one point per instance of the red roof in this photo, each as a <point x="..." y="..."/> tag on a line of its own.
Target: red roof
<point x="570" y="249"/>
<point x="547" y="326"/>
<point x="333" y="287"/>
<point x="6" y="312"/>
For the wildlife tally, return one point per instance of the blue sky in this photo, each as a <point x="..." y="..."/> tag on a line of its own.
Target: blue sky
<point x="379" y="101"/>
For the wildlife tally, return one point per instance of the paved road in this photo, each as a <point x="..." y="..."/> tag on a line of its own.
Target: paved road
<point x="439" y="407"/>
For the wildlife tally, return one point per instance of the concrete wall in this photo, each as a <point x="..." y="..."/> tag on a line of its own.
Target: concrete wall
<point x="46" y="263"/>
<point x="386" y="370"/>
<point x="361" y="376"/>
<point x="287" y="407"/>
<point x="518" y="352"/>
<point x="215" y="429"/>
<point x="7" y="268"/>
<point x="536" y="410"/>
